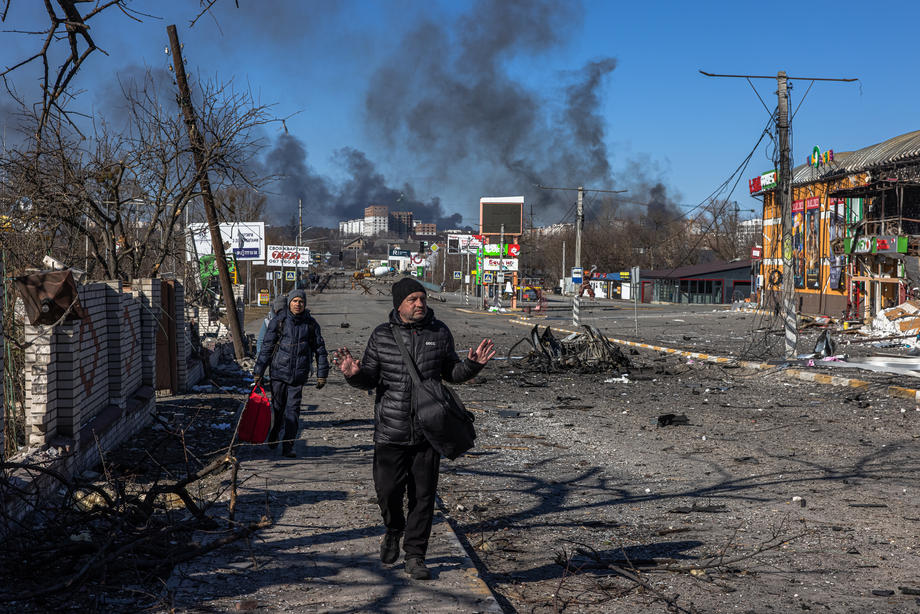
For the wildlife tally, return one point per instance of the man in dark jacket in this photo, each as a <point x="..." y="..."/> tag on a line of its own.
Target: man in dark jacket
<point x="404" y="461"/>
<point x="291" y="341"/>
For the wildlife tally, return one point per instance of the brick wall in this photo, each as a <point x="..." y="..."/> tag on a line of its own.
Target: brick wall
<point x="90" y="384"/>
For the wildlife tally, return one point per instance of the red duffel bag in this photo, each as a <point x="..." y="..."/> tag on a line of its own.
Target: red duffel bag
<point x="256" y="420"/>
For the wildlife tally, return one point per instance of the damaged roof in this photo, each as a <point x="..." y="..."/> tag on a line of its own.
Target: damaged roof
<point x="903" y="148"/>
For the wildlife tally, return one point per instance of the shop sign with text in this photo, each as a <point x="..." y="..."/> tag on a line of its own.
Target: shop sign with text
<point x="499" y="264"/>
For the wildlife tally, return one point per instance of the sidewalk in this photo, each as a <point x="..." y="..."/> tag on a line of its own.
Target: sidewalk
<point x="321" y="553"/>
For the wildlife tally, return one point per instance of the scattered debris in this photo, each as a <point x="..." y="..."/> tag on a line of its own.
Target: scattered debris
<point x="587" y="352"/>
<point x="671" y="420"/>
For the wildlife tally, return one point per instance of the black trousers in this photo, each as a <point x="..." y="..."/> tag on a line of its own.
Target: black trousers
<point x="412" y="471"/>
<point x="286" y="409"/>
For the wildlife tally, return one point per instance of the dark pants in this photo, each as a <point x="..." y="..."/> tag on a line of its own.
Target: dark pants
<point x="286" y="409"/>
<point x="412" y="470"/>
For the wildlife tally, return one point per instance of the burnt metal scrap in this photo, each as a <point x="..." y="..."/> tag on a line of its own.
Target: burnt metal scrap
<point x="585" y="352"/>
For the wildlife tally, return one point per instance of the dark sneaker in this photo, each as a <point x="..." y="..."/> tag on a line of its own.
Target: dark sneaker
<point x="389" y="547"/>
<point x="288" y="453"/>
<point x="416" y="569"/>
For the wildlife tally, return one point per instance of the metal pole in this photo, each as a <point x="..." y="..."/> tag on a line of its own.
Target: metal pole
<point x="784" y="192"/>
<point x="197" y="145"/>
<point x="562" y="281"/>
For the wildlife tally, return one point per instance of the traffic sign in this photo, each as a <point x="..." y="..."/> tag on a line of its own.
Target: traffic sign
<point x="457" y="275"/>
<point x="487" y="278"/>
<point x="290" y="276"/>
<point x="577" y="274"/>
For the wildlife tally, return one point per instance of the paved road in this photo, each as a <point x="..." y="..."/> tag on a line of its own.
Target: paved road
<point x="320" y="553"/>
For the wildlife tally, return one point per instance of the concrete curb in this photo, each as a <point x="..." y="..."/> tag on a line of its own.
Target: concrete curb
<point x="478" y="585"/>
<point x="809" y="376"/>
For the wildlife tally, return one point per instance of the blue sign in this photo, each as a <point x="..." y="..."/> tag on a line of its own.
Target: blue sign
<point x="246" y="253"/>
<point x="290" y="275"/>
<point x="456" y="274"/>
<point x="577" y="274"/>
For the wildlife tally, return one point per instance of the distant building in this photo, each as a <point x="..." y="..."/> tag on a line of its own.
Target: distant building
<point x="401" y="223"/>
<point x="424" y="230"/>
<point x="555" y="229"/>
<point x="376" y="220"/>
<point x="352" y="227"/>
<point x="750" y="231"/>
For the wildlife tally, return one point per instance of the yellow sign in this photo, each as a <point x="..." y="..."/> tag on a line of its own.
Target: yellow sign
<point x="263" y="297"/>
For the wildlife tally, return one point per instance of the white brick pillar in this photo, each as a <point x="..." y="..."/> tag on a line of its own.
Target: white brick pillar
<point x="41" y="387"/>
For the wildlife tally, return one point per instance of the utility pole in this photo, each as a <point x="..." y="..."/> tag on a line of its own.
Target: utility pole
<point x="784" y="192"/>
<point x="783" y="195"/>
<point x="299" y="240"/>
<point x="207" y="198"/>
<point x="579" y="224"/>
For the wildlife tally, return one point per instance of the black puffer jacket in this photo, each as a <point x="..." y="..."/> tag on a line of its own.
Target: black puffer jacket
<point x="431" y="344"/>
<point x="300" y="339"/>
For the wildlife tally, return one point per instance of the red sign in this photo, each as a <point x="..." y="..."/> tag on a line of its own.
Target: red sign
<point x="754" y="184"/>
<point x="514" y="250"/>
<point x="813" y="202"/>
<point x="756" y="252"/>
<point x="798" y="206"/>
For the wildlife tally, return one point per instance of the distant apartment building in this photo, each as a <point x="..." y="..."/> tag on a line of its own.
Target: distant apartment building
<point x="424" y="230"/>
<point x="555" y="229"/>
<point x="376" y="220"/>
<point x="352" y="227"/>
<point x="401" y="223"/>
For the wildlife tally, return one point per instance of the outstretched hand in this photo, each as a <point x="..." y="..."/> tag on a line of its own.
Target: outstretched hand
<point x="347" y="364"/>
<point x="483" y="353"/>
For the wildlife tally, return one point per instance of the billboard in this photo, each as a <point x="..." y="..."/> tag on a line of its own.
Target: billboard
<point x="288" y="256"/>
<point x="495" y="211"/>
<point x="243" y="240"/>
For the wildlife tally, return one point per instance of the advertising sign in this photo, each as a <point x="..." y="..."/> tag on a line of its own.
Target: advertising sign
<point x="512" y="250"/>
<point x="501" y="214"/>
<point x="263" y="297"/>
<point x="499" y="264"/>
<point x="812" y="253"/>
<point x="798" y="243"/>
<point x="244" y="240"/>
<point x="400" y="253"/>
<point x="863" y="245"/>
<point x="288" y="256"/>
<point x="465" y="244"/>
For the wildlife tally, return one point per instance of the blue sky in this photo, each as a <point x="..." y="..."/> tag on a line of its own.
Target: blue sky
<point x="445" y="102"/>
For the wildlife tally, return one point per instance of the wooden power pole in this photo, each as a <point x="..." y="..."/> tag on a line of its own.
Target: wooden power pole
<point x="207" y="197"/>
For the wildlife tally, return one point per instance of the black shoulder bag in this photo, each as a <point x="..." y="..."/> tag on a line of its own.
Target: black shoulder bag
<point x="446" y="423"/>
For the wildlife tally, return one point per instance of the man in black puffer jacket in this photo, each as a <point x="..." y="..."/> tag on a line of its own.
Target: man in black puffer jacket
<point x="291" y="341"/>
<point x="404" y="460"/>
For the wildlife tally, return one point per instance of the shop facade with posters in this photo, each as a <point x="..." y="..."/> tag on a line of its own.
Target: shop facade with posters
<point x="855" y="232"/>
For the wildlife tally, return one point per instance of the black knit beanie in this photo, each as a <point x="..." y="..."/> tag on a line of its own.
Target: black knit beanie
<point x="403" y="288"/>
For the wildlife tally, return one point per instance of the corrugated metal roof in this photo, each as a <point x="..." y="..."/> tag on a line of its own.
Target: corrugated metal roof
<point x="903" y="148"/>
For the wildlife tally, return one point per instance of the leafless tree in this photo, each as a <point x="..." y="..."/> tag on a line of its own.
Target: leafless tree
<point x="720" y="227"/>
<point x="66" y="44"/>
<point x="116" y="199"/>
